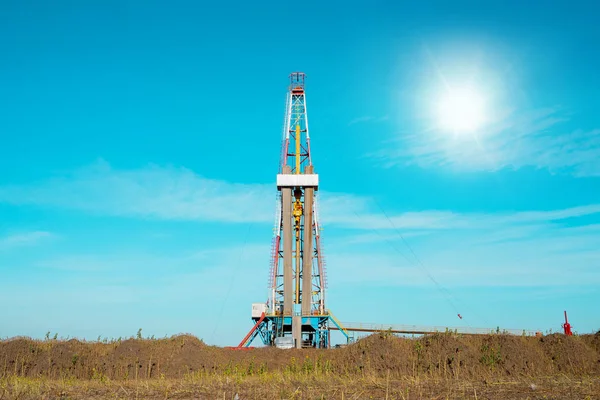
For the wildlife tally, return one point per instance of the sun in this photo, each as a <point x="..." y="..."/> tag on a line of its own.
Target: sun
<point x="461" y="110"/>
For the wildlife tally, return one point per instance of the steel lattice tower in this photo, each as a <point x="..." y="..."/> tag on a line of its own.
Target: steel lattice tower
<point x="297" y="276"/>
<point x="295" y="313"/>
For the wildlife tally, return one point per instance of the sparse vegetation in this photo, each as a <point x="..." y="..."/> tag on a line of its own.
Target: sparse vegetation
<point x="490" y="357"/>
<point x="443" y="365"/>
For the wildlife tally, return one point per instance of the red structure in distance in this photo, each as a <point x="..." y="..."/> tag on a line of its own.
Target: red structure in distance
<point x="567" y="326"/>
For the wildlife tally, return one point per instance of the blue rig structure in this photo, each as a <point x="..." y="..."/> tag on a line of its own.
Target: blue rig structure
<point x="277" y="330"/>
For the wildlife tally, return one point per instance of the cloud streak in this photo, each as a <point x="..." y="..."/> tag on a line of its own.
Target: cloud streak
<point x="179" y="194"/>
<point x="367" y="118"/>
<point x="153" y="192"/>
<point x="24" y="239"/>
<point x="364" y="218"/>
<point x="525" y="255"/>
<point x="538" y="138"/>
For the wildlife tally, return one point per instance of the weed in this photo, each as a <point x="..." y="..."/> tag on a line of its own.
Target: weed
<point x="418" y="347"/>
<point x="307" y="366"/>
<point x="490" y="357"/>
<point x="98" y="376"/>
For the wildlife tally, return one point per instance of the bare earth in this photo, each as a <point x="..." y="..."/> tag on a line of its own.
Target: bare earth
<point x="440" y="366"/>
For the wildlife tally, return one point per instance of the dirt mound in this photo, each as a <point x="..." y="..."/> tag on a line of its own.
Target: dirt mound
<point x="440" y="355"/>
<point x="456" y="356"/>
<point x="592" y="340"/>
<point x="570" y="354"/>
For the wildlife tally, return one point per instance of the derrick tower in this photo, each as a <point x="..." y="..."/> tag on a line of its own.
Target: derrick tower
<point x="295" y="314"/>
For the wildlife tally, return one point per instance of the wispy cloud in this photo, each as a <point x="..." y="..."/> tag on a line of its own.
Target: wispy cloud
<point x="537" y="138"/>
<point x="363" y="213"/>
<point x="163" y="193"/>
<point x="24" y="239"/>
<point x="372" y="237"/>
<point x="152" y="192"/>
<point x="367" y="118"/>
<point x="524" y="248"/>
<point x="169" y="193"/>
<point x="525" y="254"/>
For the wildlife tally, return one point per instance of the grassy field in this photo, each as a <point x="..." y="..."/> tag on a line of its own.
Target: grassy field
<point x="285" y="386"/>
<point x="441" y="366"/>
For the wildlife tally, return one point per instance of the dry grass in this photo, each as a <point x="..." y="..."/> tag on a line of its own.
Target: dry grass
<point x="443" y="366"/>
<point x="287" y="386"/>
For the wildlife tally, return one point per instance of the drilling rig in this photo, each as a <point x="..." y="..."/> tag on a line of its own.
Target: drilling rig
<point x="295" y="313"/>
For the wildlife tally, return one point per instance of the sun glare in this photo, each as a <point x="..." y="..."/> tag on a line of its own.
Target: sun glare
<point x="461" y="110"/>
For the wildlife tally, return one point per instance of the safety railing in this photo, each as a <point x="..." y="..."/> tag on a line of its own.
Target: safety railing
<point x="418" y="329"/>
<point x="341" y="327"/>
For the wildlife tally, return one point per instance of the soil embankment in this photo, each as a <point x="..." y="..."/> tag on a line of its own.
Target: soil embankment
<point x="439" y="355"/>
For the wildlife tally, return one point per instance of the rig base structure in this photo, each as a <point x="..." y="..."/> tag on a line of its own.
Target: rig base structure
<point x="278" y="330"/>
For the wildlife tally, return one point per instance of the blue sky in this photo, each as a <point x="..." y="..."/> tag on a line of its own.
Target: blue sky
<point x="140" y="144"/>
